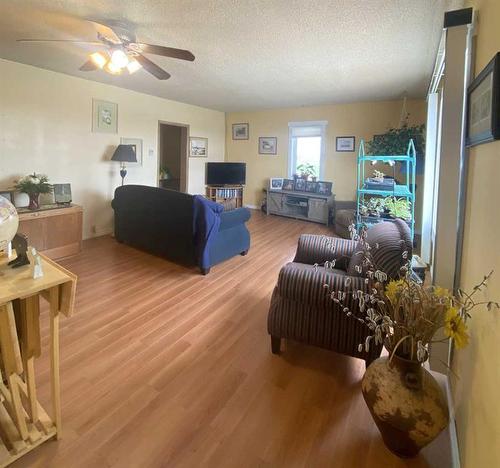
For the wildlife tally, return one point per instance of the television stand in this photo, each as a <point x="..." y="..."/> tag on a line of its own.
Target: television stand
<point x="308" y="206"/>
<point x="225" y="193"/>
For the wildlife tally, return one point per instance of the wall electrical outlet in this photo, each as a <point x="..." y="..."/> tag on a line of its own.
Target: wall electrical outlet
<point x="151" y="152"/>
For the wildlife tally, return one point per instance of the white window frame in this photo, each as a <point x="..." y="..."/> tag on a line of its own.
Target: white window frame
<point x="292" y="155"/>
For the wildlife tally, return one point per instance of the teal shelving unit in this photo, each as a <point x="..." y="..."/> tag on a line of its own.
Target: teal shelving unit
<point x="406" y="190"/>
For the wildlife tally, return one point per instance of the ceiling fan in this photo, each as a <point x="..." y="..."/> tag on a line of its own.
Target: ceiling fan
<point x="122" y="51"/>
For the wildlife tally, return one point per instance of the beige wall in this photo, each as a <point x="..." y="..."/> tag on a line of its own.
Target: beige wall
<point x="478" y="366"/>
<point x="362" y="120"/>
<point x="45" y="126"/>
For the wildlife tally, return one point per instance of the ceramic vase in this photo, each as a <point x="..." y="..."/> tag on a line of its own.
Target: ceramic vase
<point x="34" y="201"/>
<point x="406" y="402"/>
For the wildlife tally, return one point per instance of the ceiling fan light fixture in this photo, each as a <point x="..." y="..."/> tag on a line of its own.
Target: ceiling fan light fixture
<point x="133" y="66"/>
<point x="119" y="58"/>
<point x="99" y="59"/>
<point x="112" y="68"/>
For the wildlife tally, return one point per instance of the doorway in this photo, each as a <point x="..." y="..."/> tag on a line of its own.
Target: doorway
<point x="173" y="156"/>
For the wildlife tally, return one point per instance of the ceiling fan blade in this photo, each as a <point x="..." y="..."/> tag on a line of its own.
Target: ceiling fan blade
<point x="88" y="66"/>
<point x="152" y="68"/>
<point x="60" y="40"/>
<point x="166" y="51"/>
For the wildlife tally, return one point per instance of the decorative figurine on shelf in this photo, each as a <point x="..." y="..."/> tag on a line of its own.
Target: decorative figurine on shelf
<point x="20" y="244"/>
<point x="37" y="264"/>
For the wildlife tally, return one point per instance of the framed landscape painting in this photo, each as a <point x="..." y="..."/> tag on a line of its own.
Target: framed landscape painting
<point x="268" y="145"/>
<point x="345" y="144"/>
<point x="240" y="131"/>
<point x="483" y="105"/>
<point x="198" y="147"/>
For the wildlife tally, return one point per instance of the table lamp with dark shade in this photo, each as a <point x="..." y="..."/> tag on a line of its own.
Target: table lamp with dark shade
<point x="124" y="154"/>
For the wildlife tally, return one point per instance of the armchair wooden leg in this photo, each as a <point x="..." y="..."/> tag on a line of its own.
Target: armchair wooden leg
<point x="205" y="271"/>
<point x="275" y="344"/>
<point x="244" y="253"/>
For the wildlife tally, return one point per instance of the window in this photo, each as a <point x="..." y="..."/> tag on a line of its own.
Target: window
<point x="306" y="147"/>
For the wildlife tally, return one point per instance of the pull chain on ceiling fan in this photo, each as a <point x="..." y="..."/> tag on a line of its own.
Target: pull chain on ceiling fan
<point x="123" y="52"/>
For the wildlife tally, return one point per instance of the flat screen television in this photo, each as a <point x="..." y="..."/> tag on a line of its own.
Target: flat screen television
<point x="223" y="173"/>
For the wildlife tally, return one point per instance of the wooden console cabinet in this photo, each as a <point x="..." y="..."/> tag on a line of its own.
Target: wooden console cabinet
<point x="55" y="232"/>
<point x="300" y="205"/>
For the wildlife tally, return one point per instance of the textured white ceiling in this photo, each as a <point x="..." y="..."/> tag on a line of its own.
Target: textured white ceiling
<point x="250" y="54"/>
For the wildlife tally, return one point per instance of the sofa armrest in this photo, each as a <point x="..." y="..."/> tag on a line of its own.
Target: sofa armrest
<point x="306" y="284"/>
<point x="313" y="249"/>
<point x="229" y="219"/>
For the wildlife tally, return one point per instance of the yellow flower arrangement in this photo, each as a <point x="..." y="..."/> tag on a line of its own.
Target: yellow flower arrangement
<point x="392" y="290"/>
<point x="455" y="328"/>
<point x="405" y="314"/>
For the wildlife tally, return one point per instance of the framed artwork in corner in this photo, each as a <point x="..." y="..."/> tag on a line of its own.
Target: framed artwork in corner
<point x="288" y="184"/>
<point x="324" y="188"/>
<point x="345" y="144"/>
<point x="198" y="147"/>
<point x="240" y="131"/>
<point x="268" y="145"/>
<point x="104" y="116"/>
<point x="137" y="144"/>
<point x="483" y="105"/>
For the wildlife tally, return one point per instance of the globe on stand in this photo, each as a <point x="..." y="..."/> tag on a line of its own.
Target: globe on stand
<point x="9" y="222"/>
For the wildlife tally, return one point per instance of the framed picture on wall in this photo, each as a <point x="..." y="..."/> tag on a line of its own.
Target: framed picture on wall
<point x="137" y="144"/>
<point x="345" y="144"/>
<point x="104" y="116"/>
<point x="198" y="147"/>
<point x="240" y="131"/>
<point x="483" y="105"/>
<point x="268" y="145"/>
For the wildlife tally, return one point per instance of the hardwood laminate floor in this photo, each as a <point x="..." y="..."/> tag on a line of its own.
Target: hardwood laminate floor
<point x="164" y="367"/>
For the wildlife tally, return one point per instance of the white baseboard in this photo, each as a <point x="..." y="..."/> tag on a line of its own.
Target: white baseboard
<point x="252" y="207"/>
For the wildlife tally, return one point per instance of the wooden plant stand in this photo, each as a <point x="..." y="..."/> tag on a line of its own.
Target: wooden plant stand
<point x="24" y="424"/>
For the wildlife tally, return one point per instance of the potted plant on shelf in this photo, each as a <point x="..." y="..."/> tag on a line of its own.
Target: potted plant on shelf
<point x="405" y="400"/>
<point x="307" y="170"/>
<point x="397" y="208"/>
<point x="372" y="207"/>
<point x="33" y="185"/>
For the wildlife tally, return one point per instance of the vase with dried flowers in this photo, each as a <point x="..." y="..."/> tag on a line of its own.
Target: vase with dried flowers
<point x="404" y="399"/>
<point x="33" y="185"/>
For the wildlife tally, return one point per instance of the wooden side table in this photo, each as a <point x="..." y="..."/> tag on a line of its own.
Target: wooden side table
<point x="24" y="422"/>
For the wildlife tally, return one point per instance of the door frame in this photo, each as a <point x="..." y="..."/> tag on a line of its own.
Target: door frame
<point x="184" y="176"/>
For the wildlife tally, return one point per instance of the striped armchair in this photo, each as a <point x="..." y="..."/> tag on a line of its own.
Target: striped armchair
<point x="301" y="309"/>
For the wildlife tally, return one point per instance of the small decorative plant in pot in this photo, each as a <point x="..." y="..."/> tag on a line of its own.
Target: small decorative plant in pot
<point x="306" y="170"/>
<point x="33" y="185"/>
<point x="405" y="401"/>
<point x="398" y="208"/>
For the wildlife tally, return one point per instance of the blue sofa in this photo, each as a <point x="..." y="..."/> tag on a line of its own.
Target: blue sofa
<point x="183" y="228"/>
